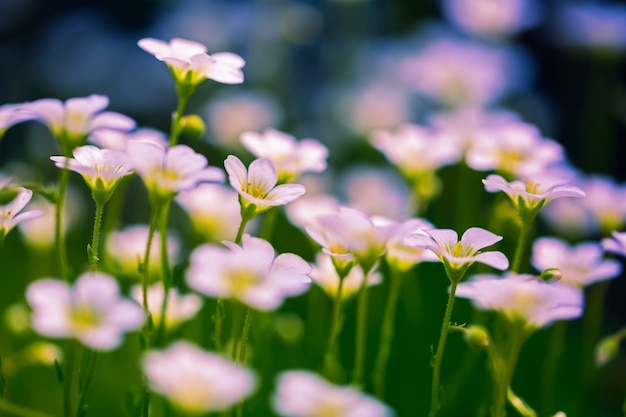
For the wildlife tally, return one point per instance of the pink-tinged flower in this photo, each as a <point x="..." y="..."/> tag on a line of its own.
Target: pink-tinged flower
<point x="531" y="196"/>
<point x="166" y="171"/>
<point x="515" y="148"/>
<point x="606" y="202"/>
<point x="11" y="114"/>
<point x="305" y="394"/>
<point x="524" y="298"/>
<point x="180" y="307"/>
<point x="72" y="121"/>
<point x="10" y="215"/>
<point x="190" y="63"/>
<point x="325" y="275"/>
<point x="304" y="211"/>
<point x="102" y="169"/>
<point x="349" y="235"/>
<point x="115" y="139"/>
<point x="579" y="265"/>
<point x="250" y="273"/>
<point x="494" y="19"/>
<point x="90" y="311"/>
<point x="291" y="157"/>
<point x="615" y="244"/>
<point x="257" y="187"/>
<point x="213" y="210"/>
<point x="401" y="256"/>
<point x="196" y="381"/>
<point x="456" y="254"/>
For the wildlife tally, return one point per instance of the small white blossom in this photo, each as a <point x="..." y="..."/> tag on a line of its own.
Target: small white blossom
<point x="90" y="311"/>
<point x="179" y="307"/>
<point x="305" y="394"/>
<point x="196" y="381"/>
<point x="325" y="275"/>
<point x="10" y="215"/>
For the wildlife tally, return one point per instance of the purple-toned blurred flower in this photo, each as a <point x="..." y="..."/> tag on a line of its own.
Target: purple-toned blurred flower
<point x="493" y="19"/>
<point x="195" y="381"/>
<point x="305" y="394"/>
<point x="325" y="275"/>
<point x="524" y="298"/>
<point x="10" y="215"/>
<point x="401" y="256"/>
<point x="579" y="265"/>
<point x="180" y="307"/>
<point x="90" y="311"/>
<point x="615" y="244"/>
<point x="250" y="273"/>
<point x="115" y="139"/>
<point x="73" y="120"/>
<point x="291" y="157"/>
<point x="457" y="255"/>
<point x="257" y="187"/>
<point x="102" y="169"/>
<point x="11" y="114"/>
<point x="166" y="171"/>
<point x="190" y="63"/>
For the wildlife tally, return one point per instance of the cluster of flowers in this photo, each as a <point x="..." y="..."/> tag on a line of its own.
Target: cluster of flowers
<point x="530" y="169"/>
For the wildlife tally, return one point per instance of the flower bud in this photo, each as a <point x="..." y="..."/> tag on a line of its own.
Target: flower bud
<point x="192" y="126"/>
<point x="551" y="275"/>
<point x="607" y="349"/>
<point x="477" y="336"/>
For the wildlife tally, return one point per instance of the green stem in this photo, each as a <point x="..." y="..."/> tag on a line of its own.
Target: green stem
<point x="267" y="227"/>
<point x="556" y="344"/>
<point x="524" y="233"/>
<point x="520" y="405"/>
<point x="59" y="234"/>
<point x="219" y="319"/>
<point x="591" y="328"/>
<point x="386" y="334"/>
<point x="165" y="270"/>
<point x="91" y="367"/>
<point x="68" y="386"/>
<point x="20" y="411"/>
<point x="95" y="239"/>
<point x="335" y="329"/>
<point x="241" y="359"/>
<point x="435" y="388"/>
<point x="242" y="227"/>
<point x="177" y="116"/>
<point x="361" y="332"/>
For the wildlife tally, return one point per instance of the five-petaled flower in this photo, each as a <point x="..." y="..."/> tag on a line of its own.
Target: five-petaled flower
<point x="196" y="381"/>
<point x="290" y="157"/>
<point x="305" y="394"/>
<point x="522" y="297"/>
<point x="91" y="310"/>
<point x="102" y="169"/>
<point x="250" y="273"/>
<point x="191" y="65"/>
<point x="529" y="197"/>
<point x="72" y="121"/>
<point x="257" y="187"/>
<point x="166" y="171"/>
<point x="9" y="216"/>
<point x="457" y="255"/>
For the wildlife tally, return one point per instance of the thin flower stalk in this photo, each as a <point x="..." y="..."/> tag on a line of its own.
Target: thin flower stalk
<point x="335" y="328"/>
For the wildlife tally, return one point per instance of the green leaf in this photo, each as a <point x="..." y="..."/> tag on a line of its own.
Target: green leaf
<point x="59" y="371"/>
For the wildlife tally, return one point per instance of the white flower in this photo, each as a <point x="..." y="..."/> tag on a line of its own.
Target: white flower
<point x="213" y="210"/>
<point x="196" y="381"/>
<point x="11" y="114"/>
<point x="401" y="256"/>
<point x="325" y="275"/>
<point x="102" y="169"/>
<point x="179" y="307"/>
<point x="305" y="394"/>
<point x="579" y="265"/>
<point x="523" y="297"/>
<point x="257" y="185"/>
<point x="91" y="310"/>
<point x="249" y="273"/>
<point x="166" y="171"/>
<point x="191" y="64"/>
<point x="10" y="215"/>
<point x="458" y="254"/>
<point x="290" y="157"/>
<point x="115" y="139"/>
<point x="73" y="120"/>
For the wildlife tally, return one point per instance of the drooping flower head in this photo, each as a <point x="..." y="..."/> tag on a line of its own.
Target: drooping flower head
<point x="10" y="215"/>
<point x="305" y="394"/>
<point x="166" y="171"/>
<point x="578" y="265"/>
<point x="91" y="311"/>
<point x="196" y="381"/>
<point x="73" y="120"/>
<point x="529" y="197"/>
<point x="457" y="255"/>
<point x="291" y="157"/>
<point x="102" y="169"/>
<point x="257" y="187"/>
<point x="250" y="273"/>
<point x="180" y="307"/>
<point x="524" y="298"/>
<point x="191" y="65"/>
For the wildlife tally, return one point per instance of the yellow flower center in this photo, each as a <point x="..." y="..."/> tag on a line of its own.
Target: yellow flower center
<point x="84" y="318"/>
